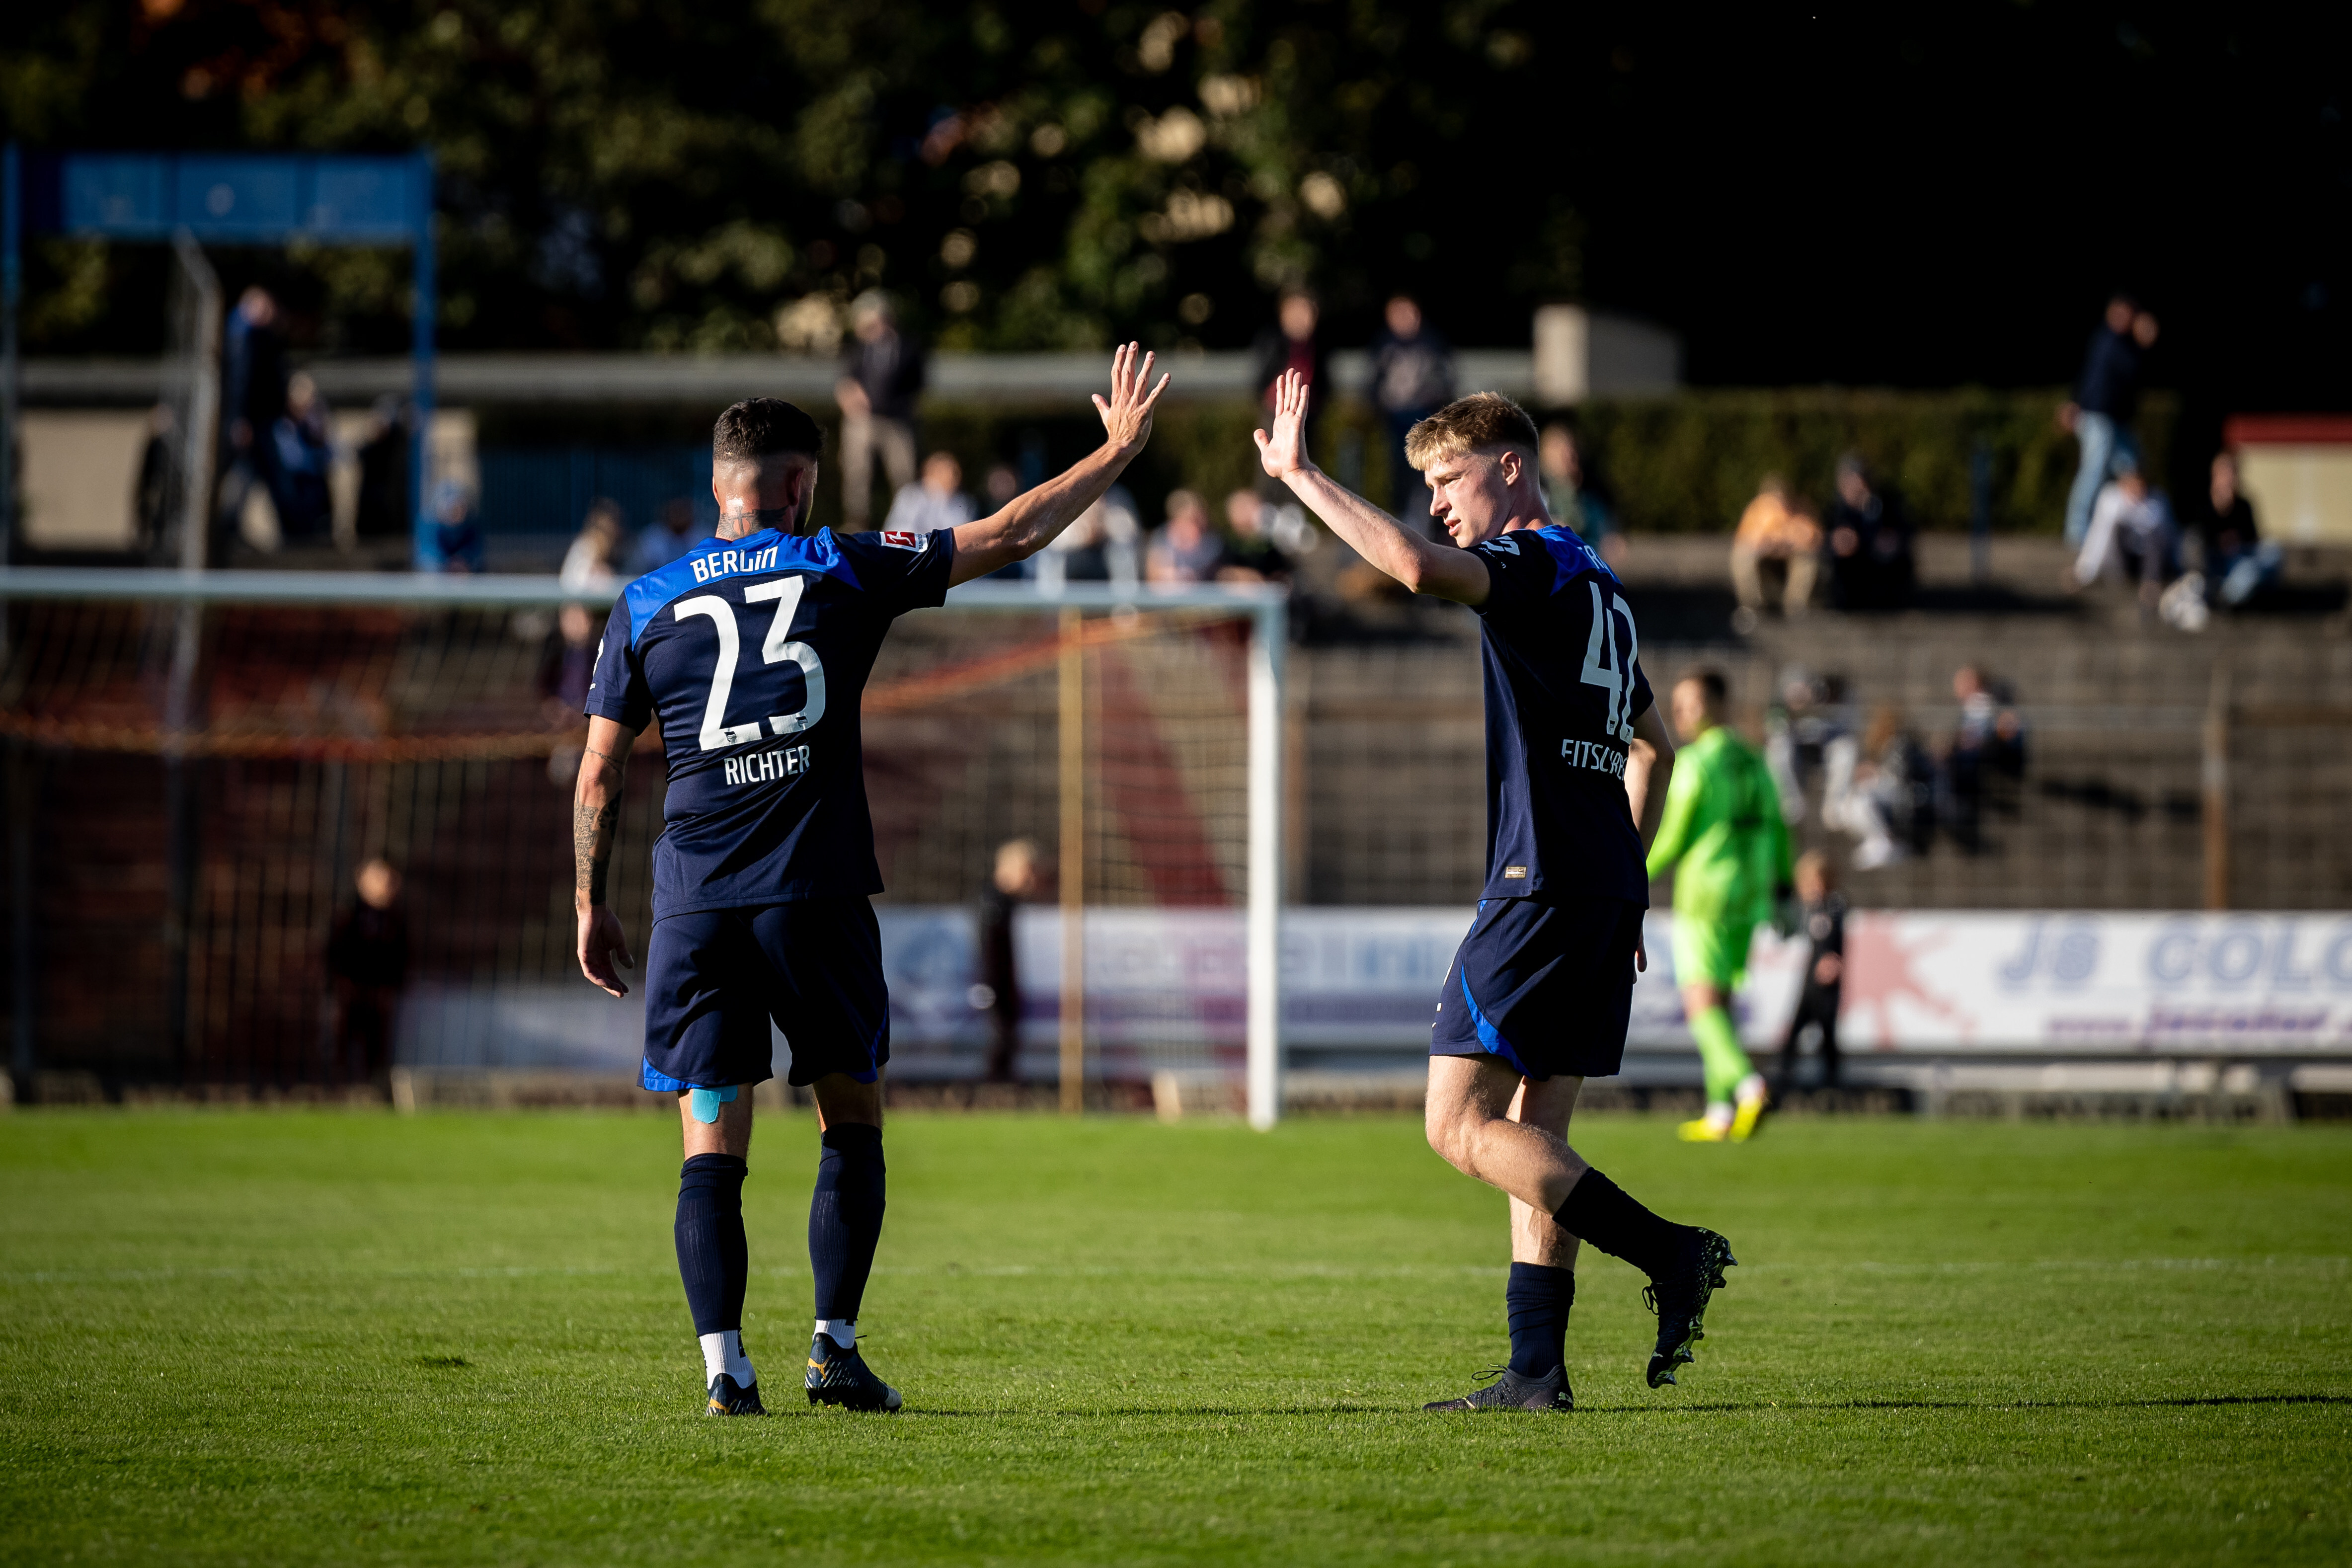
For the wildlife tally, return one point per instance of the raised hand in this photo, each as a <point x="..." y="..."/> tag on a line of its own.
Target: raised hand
<point x="1126" y="413"/>
<point x="1285" y="451"/>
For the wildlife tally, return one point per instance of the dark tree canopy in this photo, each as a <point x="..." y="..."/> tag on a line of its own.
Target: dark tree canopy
<point x="1922" y="195"/>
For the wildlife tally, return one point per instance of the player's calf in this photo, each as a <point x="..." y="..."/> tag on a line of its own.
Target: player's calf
<point x="1685" y="1263"/>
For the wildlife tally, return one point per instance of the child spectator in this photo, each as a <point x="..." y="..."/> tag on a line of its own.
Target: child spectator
<point x="1821" y="916"/>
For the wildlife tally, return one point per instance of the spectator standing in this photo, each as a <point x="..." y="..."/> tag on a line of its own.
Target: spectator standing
<point x="664" y="542"/>
<point x="1412" y="378"/>
<point x="300" y="455"/>
<point x="1016" y="880"/>
<point x="1777" y="536"/>
<point x="456" y="541"/>
<point x="367" y="957"/>
<point x="2132" y="527"/>
<point x="253" y="395"/>
<point x="1869" y="555"/>
<point x="1289" y="345"/>
<point x="592" y="563"/>
<point x="882" y="375"/>
<point x="1821" y="916"/>
<point x="383" y="472"/>
<point x="933" y="502"/>
<point x="1185" y="548"/>
<point x="2106" y="400"/>
<point x="1801" y="735"/>
<point x="1575" y="495"/>
<point x="567" y="667"/>
<point x="2238" y="561"/>
<point x="156" y="503"/>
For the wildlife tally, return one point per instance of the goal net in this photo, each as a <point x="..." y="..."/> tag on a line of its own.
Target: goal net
<point x="199" y="781"/>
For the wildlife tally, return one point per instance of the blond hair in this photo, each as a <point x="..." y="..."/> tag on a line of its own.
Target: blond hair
<point x="1470" y="424"/>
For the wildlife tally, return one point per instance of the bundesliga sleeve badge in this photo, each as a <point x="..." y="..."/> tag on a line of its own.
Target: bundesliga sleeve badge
<point x="902" y="538"/>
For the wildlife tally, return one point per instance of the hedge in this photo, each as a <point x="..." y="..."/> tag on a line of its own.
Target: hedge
<point x="1687" y="463"/>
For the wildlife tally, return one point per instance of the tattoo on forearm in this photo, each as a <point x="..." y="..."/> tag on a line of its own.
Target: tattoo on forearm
<point x="593" y="827"/>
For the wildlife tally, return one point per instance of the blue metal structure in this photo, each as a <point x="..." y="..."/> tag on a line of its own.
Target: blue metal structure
<point x="227" y="198"/>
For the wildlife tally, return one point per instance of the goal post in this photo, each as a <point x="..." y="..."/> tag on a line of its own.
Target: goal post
<point x="357" y="697"/>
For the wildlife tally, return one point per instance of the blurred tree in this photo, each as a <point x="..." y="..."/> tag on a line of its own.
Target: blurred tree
<point x="673" y="176"/>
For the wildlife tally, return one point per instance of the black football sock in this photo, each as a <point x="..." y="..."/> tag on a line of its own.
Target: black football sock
<point x="1598" y="1211"/>
<point x="846" y="1218"/>
<point x="713" y="1257"/>
<point x="1537" y="1300"/>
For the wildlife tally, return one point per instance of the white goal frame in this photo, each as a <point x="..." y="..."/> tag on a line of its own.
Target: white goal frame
<point x="1266" y="608"/>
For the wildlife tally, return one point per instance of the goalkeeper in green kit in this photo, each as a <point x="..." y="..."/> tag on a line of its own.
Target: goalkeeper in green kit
<point x="1723" y="834"/>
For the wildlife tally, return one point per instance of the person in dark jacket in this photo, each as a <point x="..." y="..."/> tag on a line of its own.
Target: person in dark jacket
<point x="1821" y="918"/>
<point x="1412" y="378"/>
<point x="1015" y="883"/>
<point x="1292" y="345"/>
<point x="2238" y="560"/>
<point x="2106" y="400"/>
<point x="882" y="375"/>
<point x="1868" y="542"/>
<point x="367" y="955"/>
<point x="383" y="509"/>
<point x="155" y="504"/>
<point x="253" y="395"/>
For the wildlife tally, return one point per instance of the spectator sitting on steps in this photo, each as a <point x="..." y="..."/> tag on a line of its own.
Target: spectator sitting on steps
<point x="2239" y="562"/>
<point x="1870" y="556"/>
<point x="1186" y="549"/>
<point x="2132" y="527"/>
<point x="1778" y="536"/>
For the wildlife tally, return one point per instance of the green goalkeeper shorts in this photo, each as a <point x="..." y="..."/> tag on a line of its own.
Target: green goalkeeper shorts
<point x="1714" y="951"/>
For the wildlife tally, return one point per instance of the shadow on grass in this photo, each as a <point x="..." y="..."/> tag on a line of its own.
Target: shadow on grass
<point x="1751" y="1408"/>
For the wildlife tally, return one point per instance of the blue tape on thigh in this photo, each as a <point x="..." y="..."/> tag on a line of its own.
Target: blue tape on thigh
<point x="704" y="1104"/>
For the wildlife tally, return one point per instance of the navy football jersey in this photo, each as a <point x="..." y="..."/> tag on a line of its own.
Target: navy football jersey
<point x="754" y="652"/>
<point x="1563" y="687"/>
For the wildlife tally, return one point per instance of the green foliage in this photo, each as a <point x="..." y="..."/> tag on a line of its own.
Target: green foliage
<point x="293" y="1338"/>
<point x="1689" y="463"/>
<point x="618" y="173"/>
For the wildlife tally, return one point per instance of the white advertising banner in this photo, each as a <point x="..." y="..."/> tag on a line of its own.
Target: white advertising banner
<point x="2041" y="982"/>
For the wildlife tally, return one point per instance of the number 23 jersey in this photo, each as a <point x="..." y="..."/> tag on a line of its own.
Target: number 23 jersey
<point x="753" y="653"/>
<point x="1564" y="685"/>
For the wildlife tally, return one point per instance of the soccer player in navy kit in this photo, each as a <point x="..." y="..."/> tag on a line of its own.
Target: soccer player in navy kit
<point x="753" y="650"/>
<point x="1576" y="762"/>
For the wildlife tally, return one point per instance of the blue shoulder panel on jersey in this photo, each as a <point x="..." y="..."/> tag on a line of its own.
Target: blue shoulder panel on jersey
<point x="766" y="551"/>
<point x="1571" y="557"/>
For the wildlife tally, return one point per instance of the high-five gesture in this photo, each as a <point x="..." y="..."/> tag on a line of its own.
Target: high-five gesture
<point x="1285" y="452"/>
<point x="1029" y="521"/>
<point x="1126" y="413"/>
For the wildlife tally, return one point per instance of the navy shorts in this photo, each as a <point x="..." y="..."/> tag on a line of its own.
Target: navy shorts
<point x="715" y="980"/>
<point x="1545" y="987"/>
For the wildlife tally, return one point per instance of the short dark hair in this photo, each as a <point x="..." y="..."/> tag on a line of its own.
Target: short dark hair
<point x="1710" y="680"/>
<point x="761" y="427"/>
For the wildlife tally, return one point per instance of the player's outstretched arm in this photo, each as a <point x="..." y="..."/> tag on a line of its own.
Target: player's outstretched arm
<point x="1030" y="520"/>
<point x="1388" y="544"/>
<point x="596" y="826"/>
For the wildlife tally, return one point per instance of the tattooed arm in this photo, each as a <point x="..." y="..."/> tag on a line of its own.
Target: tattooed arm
<point x="595" y="824"/>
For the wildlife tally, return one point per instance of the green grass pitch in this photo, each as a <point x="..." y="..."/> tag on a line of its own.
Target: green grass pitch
<point x="295" y="1338"/>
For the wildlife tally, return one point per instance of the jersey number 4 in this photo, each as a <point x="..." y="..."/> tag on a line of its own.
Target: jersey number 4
<point x="779" y="647"/>
<point x="1608" y="666"/>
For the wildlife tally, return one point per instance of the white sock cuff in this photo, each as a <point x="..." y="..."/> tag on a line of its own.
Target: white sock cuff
<point x="842" y="1332"/>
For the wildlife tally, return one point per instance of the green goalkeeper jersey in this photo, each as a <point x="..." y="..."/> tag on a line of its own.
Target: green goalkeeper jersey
<point x="1722" y="831"/>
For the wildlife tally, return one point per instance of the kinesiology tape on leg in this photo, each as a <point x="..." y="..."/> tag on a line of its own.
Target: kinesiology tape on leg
<point x="1718" y="1048"/>
<point x="1537" y="1300"/>
<point x="845" y="1218"/>
<point x="1598" y="1211"/>
<point x="713" y="1257"/>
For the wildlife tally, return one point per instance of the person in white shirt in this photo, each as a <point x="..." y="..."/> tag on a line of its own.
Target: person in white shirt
<point x="2132" y="525"/>
<point x="933" y="502"/>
